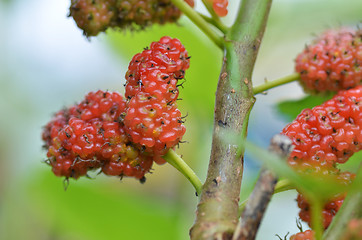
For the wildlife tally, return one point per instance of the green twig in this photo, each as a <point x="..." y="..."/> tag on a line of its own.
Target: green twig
<point x="200" y="22"/>
<point x="218" y="24"/>
<point x="177" y="162"/>
<point x="210" y="9"/>
<point x="271" y="84"/>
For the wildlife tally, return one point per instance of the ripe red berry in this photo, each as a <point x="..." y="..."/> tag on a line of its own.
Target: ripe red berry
<point x="91" y="135"/>
<point x="306" y="235"/>
<point x="329" y="133"/>
<point x="152" y="119"/>
<point x="331" y="208"/>
<point x="332" y="62"/>
<point x="157" y="69"/>
<point x="106" y="106"/>
<point x="153" y="123"/>
<point x="220" y="7"/>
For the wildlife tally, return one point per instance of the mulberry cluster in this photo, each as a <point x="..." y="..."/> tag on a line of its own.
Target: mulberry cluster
<point x="329" y="133"/>
<point x="332" y="62"/>
<point x="331" y="207"/>
<point x="94" y="16"/>
<point x="220" y="7"/>
<point x="323" y="137"/>
<point x="306" y="235"/>
<point x="90" y="135"/>
<point x="123" y="136"/>
<point x="152" y="119"/>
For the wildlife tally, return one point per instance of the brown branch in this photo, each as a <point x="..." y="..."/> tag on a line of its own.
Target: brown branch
<point x="262" y="193"/>
<point x="256" y="206"/>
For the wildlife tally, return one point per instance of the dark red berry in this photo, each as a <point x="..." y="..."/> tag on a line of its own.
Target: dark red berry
<point x="332" y="62"/>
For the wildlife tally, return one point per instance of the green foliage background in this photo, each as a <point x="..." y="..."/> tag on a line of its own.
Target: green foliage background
<point x="45" y="63"/>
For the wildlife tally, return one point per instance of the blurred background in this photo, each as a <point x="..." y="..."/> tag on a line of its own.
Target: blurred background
<point x="46" y="63"/>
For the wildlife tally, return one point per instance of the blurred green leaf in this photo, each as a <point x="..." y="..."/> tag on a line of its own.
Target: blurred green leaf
<point x="291" y="108"/>
<point x="90" y="211"/>
<point x="322" y="187"/>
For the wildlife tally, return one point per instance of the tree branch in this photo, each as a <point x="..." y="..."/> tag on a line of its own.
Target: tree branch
<point x="262" y="193"/>
<point x="256" y="206"/>
<point x="217" y="211"/>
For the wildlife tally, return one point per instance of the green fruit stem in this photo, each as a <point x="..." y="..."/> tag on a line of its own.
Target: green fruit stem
<point x="198" y="20"/>
<point x="217" y="211"/>
<point x="218" y="24"/>
<point x="177" y="162"/>
<point x="214" y="16"/>
<point x="275" y="83"/>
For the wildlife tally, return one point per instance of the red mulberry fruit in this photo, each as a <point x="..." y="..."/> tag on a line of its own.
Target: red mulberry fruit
<point x="152" y="119"/>
<point x="220" y="7"/>
<point x="158" y="68"/>
<point x="329" y="133"/>
<point x="91" y="135"/>
<point x="306" y="235"/>
<point x="153" y="123"/>
<point x="332" y="62"/>
<point x="331" y="207"/>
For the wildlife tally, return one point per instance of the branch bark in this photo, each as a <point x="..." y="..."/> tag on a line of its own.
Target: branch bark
<point x="217" y="211"/>
<point x="263" y="191"/>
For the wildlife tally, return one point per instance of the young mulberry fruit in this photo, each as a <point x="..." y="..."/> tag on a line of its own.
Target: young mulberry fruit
<point x="331" y="207"/>
<point x="158" y="68"/>
<point x="91" y="135"/>
<point x="106" y="106"/>
<point x="220" y="7"/>
<point x="332" y="62"/>
<point x="93" y="16"/>
<point x="152" y="119"/>
<point x="153" y="123"/>
<point x="327" y="134"/>
<point x="306" y="235"/>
